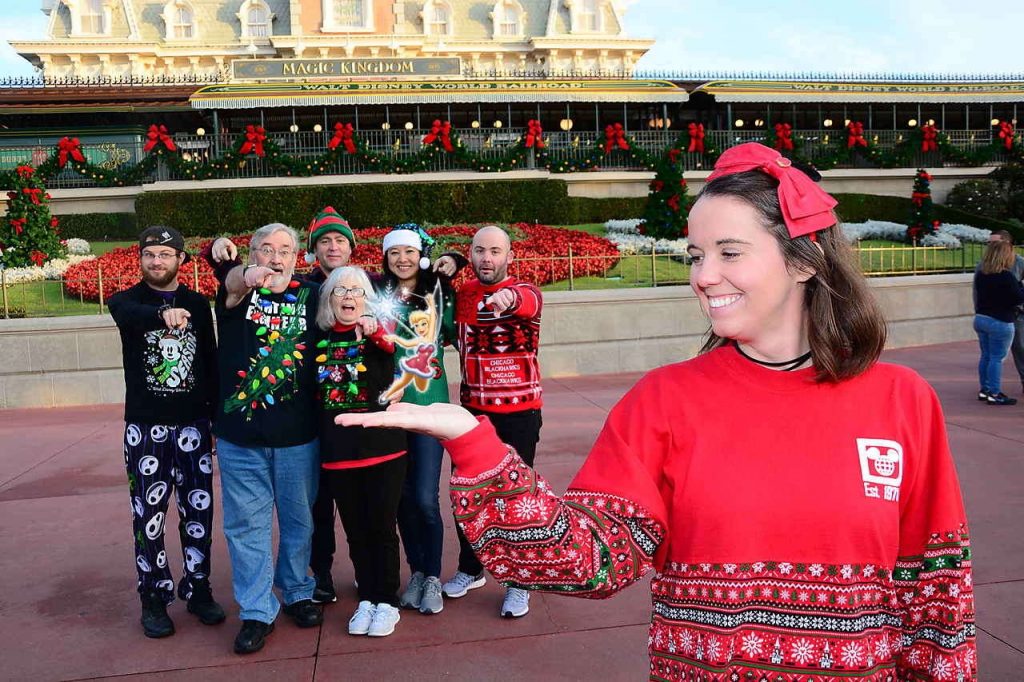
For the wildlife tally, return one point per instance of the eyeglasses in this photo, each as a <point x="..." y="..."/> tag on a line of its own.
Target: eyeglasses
<point x="163" y="255"/>
<point x="270" y="252"/>
<point x="356" y="292"/>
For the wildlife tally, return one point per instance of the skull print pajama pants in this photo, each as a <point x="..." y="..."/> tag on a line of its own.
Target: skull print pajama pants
<point x="160" y="459"/>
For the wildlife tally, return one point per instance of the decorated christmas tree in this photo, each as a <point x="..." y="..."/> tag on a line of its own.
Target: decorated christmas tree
<point x="922" y="217"/>
<point x="667" y="203"/>
<point x="28" y="234"/>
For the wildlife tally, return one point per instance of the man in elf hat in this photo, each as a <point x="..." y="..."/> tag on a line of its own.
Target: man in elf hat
<point x="170" y="372"/>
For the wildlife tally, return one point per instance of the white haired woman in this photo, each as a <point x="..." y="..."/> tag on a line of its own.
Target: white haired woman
<point x="364" y="469"/>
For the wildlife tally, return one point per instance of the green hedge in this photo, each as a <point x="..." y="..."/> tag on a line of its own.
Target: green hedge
<point x="207" y="212"/>
<point x="99" y="226"/>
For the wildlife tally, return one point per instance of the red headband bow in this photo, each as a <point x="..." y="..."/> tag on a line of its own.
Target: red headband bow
<point x="806" y="207"/>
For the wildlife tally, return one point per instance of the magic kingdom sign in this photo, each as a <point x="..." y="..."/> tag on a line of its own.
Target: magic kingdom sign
<point x="304" y="69"/>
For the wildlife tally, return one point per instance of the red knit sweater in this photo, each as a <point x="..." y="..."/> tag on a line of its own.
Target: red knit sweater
<point x="498" y="351"/>
<point x="798" y="530"/>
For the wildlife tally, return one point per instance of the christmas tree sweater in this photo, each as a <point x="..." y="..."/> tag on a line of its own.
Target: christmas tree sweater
<point x="798" y="531"/>
<point x="499" y="350"/>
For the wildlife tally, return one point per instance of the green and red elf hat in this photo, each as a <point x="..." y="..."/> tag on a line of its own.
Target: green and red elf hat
<point x="327" y="220"/>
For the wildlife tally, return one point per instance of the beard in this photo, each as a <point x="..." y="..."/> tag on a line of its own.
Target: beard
<point x="160" y="279"/>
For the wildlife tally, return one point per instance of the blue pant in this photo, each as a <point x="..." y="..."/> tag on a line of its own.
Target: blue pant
<point x="994" y="338"/>
<point x="419" y="512"/>
<point x="253" y="482"/>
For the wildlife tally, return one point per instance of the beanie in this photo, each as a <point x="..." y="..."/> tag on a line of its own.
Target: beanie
<point x="326" y="221"/>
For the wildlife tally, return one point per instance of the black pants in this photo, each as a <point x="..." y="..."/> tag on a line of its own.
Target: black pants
<point x="160" y="459"/>
<point x="321" y="556"/>
<point x="521" y="430"/>
<point x="367" y="499"/>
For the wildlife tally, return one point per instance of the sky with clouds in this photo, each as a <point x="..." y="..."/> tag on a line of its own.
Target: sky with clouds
<point x="873" y="36"/>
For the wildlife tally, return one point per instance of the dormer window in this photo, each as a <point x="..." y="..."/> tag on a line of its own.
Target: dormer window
<point x="92" y="19"/>
<point x="347" y="15"/>
<point x="255" y="17"/>
<point x="589" y="16"/>
<point x="508" y="18"/>
<point x="437" y="18"/>
<point x="180" y="20"/>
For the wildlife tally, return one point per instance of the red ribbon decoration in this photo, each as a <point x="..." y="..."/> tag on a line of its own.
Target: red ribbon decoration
<point x="673" y="155"/>
<point x="696" y="131"/>
<point x="440" y="131"/>
<point x="615" y="136"/>
<point x="534" y="134"/>
<point x="24" y="172"/>
<point x="1006" y="134"/>
<point x="855" y="135"/>
<point x="69" y="146"/>
<point x="38" y="257"/>
<point x="343" y="135"/>
<point x="33" y="194"/>
<point x="673" y="203"/>
<point x="806" y="207"/>
<point x="158" y="135"/>
<point x="18" y="224"/>
<point x="930" y="138"/>
<point x="657" y="185"/>
<point x="254" y="138"/>
<point x="917" y="198"/>
<point x="783" y="136"/>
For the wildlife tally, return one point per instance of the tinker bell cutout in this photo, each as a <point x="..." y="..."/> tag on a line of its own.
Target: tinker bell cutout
<point x="420" y="366"/>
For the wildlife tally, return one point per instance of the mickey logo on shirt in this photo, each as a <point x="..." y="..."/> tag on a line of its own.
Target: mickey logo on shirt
<point x="881" y="467"/>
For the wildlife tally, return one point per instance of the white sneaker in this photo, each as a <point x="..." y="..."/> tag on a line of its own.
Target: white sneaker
<point x="384" y="620"/>
<point x="359" y="623"/>
<point x="461" y="583"/>
<point x="516" y="604"/>
<point x="431" y="601"/>
<point x="413" y="594"/>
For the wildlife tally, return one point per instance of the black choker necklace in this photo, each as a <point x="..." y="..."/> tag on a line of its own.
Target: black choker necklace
<point x="785" y="366"/>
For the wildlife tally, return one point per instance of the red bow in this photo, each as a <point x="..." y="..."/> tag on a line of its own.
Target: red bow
<point x="855" y="135"/>
<point x="18" y="224"/>
<point x="33" y="194"/>
<point x="930" y="138"/>
<point x="615" y="136"/>
<point x="24" y="172"/>
<point x="534" y="134"/>
<point x="1006" y="134"/>
<point x="657" y="185"/>
<point x="673" y="155"/>
<point x="917" y="198"/>
<point x="696" y="131"/>
<point x="158" y="135"/>
<point x="38" y="257"/>
<point x="783" y="136"/>
<point x="254" y="137"/>
<point x="440" y="131"/>
<point x="344" y="135"/>
<point x="806" y="207"/>
<point x="69" y="146"/>
<point x="673" y="203"/>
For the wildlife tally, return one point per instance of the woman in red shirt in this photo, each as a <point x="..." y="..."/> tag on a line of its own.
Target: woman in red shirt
<point x="796" y="497"/>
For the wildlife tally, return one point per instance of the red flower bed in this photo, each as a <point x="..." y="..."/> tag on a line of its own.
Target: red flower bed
<point x="541" y="256"/>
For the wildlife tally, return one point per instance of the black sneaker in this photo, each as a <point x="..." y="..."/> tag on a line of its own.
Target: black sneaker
<point x="982" y="396"/>
<point x="252" y="636"/>
<point x="305" y="613"/>
<point x="201" y="603"/>
<point x="155" y="621"/>
<point x="324" y="592"/>
<point x="1001" y="399"/>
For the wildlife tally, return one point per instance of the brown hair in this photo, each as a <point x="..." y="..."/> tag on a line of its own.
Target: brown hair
<point x="998" y="257"/>
<point x="846" y="329"/>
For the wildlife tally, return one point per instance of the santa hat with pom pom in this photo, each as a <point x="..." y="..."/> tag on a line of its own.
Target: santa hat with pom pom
<point x="326" y="221"/>
<point x="411" y="234"/>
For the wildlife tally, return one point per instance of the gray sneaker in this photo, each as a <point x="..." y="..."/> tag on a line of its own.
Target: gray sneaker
<point x="516" y="604"/>
<point x="413" y="594"/>
<point x="432" y="601"/>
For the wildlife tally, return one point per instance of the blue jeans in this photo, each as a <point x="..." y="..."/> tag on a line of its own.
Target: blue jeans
<point x="253" y="482"/>
<point x="419" y="512"/>
<point x="994" y="338"/>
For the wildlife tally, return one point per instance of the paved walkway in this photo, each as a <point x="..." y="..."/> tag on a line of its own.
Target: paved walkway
<point x="68" y="608"/>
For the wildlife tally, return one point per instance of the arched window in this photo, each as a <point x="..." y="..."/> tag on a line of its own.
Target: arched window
<point x="437" y="18"/>
<point x="348" y="15"/>
<point x="180" y="20"/>
<point x="508" y="19"/>
<point x="255" y="17"/>
<point x="91" y="18"/>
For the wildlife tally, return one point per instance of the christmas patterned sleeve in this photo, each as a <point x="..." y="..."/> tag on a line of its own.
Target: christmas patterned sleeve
<point x="601" y="536"/>
<point x="528" y="300"/>
<point x="449" y="333"/>
<point x="932" y="575"/>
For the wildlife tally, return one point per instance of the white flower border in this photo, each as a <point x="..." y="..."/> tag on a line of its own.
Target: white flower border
<point x="78" y="251"/>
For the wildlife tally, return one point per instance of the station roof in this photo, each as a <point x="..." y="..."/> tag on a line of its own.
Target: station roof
<point x="319" y="93"/>
<point x="773" y="91"/>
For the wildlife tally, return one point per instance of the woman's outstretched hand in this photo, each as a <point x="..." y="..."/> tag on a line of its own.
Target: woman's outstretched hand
<point x="440" y="420"/>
